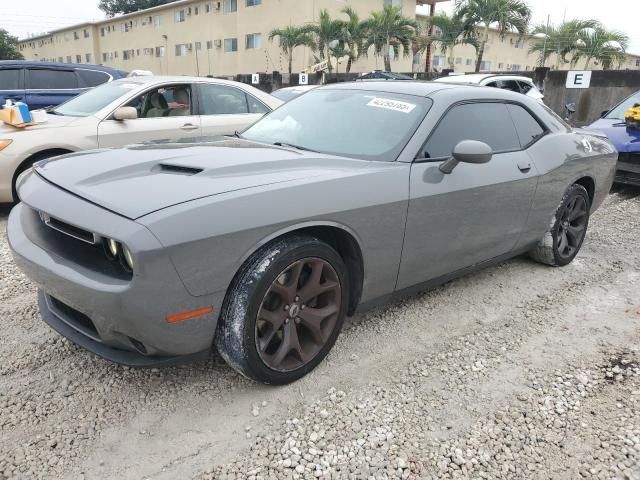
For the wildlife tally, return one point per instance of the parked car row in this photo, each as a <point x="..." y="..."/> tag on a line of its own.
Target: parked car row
<point x="261" y="242"/>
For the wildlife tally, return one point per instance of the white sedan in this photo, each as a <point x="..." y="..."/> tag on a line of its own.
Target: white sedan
<point x="131" y="110"/>
<point x="515" y="83"/>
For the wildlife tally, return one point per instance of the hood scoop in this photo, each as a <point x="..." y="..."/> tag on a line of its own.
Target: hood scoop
<point x="177" y="169"/>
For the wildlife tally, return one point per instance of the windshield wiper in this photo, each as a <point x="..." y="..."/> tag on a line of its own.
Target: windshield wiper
<point x="297" y="147"/>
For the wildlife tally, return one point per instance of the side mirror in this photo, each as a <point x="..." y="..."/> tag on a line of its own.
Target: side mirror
<point x="467" y="151"/>
<point x="125" y="113"/>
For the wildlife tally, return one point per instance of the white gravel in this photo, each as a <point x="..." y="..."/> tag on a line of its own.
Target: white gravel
<point x="519" y="371"/>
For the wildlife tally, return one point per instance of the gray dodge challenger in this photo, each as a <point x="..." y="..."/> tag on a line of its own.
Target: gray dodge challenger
<point x="262" y="243"/>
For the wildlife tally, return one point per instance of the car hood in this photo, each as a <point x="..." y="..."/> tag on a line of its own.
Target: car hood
<point x="625" y="139"/>
<point x="141" y="179"/>
<point x="53" y="121"/>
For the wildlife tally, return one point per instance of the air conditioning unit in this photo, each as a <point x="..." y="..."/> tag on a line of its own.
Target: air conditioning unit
<point x="218" y="43"/>
<point x="217" y="5"/>
<point x="189" y="11"/>
<point x="189" y="46"/>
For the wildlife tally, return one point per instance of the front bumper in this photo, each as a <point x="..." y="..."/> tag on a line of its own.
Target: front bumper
<point x="121" y="319"/>
<point x="628" y="169"/>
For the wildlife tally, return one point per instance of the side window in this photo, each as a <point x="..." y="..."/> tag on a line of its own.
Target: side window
<point x="256" y="106"/>
<point x="525" y="86"/>
<point x="492" y="84"/>
<point x="222" y="100"/>
<point x="10" y="79"/>
<point x="486" y="122"/>
<point x="527" y="127"/>
<point x="91" y="78"/>
<point x="44" y="79"/>
<point x="510" y="85"/>
<point x="168" y="101"/>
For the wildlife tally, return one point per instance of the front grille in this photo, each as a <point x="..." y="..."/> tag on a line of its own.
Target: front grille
<point x="74" y="318"/>
<point x="68" y="229"/>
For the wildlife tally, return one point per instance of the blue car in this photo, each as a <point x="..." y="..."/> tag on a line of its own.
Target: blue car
<point x="626" y="140"/>
<point x="45" y="84"/>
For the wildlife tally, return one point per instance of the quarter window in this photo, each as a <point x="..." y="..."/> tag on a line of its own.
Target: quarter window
<point x="91" y="78"/>
<point x="527" y="127"/>
<point x="10" y="79"/>
<point x="485" y="122"/>
<point x="42" y="78"/>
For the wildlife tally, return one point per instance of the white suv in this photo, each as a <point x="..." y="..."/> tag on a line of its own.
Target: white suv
<point x="515" y="83"/>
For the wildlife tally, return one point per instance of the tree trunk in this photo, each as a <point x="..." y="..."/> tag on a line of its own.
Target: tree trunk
<point x="290" y="61"/>
<point x="586" y="65"/>
<point x="349" y="62"/>
<point x="485" y="39"/>
<point x="451" y="59"/>
<point x="387" y="57"/>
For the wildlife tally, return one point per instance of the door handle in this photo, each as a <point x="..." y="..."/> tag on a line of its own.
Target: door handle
<point x="188" y="126"/>
<point x="524" y="166"/>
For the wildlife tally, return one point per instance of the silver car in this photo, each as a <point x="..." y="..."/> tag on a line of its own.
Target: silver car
<point x="131" y="110"/>
<point x="261" y="243"/>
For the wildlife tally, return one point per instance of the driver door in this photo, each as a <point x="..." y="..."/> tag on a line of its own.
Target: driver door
<point x="164" y="113"/>
<point x="475" y="213"/>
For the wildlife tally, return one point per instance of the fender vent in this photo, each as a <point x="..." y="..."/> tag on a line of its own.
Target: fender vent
<point x="178" y="169"/>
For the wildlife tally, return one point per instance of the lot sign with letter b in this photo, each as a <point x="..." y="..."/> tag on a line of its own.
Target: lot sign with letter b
<point x="303" y="79"/>
<point x="576" y="79"/>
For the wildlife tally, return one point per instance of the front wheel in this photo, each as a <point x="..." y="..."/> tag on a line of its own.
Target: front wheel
<point x="562" y="242"/>
<point x="284" y="310"/>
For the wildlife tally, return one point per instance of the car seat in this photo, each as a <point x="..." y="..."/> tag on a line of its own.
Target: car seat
<point x="159" y="106"/>
<point x="181" y="96"/>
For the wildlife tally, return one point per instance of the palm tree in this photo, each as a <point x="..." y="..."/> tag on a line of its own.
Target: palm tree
<point x="507" y="15"/>
<point x="604" y="46"/>
<point x="449" y="32"/>
<point x="420" y="45"/>
<point x="291" y="37"/>
<point x="356" y="34"/>
<point x="328" y="34"/>
<point x="559" y="41"/>
<point x="389" y="28"/>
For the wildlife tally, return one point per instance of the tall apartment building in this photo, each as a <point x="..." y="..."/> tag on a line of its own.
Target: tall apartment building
<point x="197" y="37"/>
<point x="227" y="37"/>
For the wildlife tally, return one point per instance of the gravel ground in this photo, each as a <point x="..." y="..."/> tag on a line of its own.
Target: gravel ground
<point x="518" y="371"/>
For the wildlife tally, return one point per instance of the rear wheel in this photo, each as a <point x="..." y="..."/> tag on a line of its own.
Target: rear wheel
<point x="284" y="310"/>
<point x="562" y="242"/>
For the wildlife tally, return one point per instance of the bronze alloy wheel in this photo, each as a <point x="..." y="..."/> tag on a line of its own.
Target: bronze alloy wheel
<point x="572" y="226"/>
<point x="298" y="314"/>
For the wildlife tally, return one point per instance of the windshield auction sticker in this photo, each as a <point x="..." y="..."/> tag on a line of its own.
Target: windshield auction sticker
<point x="391" y="105"/>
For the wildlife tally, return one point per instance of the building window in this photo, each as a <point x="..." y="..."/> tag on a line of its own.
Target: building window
<point x="198" y="45"/>
<point x="124" y="27"/>
<point x="196" y="10"/>
<point x="68" y="58"/>
<point x="459" y="61"/>
<point x="253" y="3"/>
<point x="60" y="59"/>
<point x="86" y="33"/>
<point x="439" y="61"/>
<point x="104" y="56"/>
<point x="209" y="44"/>
<point x="230" y="44"/>
<point x="102" y="31"/>
<point x="468" y="61"/>
<point x="127" y="54"/>
<point x="87" y="57"/>
<point x="148" y="51"/>
<point x="207" y="8"/>
<point x="393" y="3"/>
<point x="516" y="68"/>
<point x="159" y="51"/>
<point x="180" y="16"/>
<point x="76" y="36"/>
<point x="78" y="58"/>
<point x="157" y="20"/>
<point x="254" y="40"/>
<point x="181" y="49"/>
<point x="230" y="6"/>
<point x="637" y="63"/>
<point x="500" y="66"/>
<point x="484" y="65"/>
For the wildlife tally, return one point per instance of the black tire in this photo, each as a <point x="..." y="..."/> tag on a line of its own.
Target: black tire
<point x="237" y="333"/>
<point x="553" y="249"/>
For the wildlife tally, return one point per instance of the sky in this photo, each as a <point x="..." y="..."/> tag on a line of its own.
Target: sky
<point x="25" y="17"/>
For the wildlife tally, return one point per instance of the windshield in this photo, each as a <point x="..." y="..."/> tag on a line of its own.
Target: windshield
<point x="352" y="123"/>
<point x="95" y="99"/>
<point x="619" y="111"/>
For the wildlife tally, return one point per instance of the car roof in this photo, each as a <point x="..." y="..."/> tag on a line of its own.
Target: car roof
<point x="153" y="79"/>
<point x="418" y="88"/>
<point x="295" y="88"/>
<point x="475" y="78"/>
<point x="34" y="63"/>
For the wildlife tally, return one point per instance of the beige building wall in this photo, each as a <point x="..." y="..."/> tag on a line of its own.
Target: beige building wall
<point x="188" y="37"/>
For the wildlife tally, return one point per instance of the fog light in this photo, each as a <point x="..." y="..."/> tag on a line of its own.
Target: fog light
<point x="128" y="258"/>
<point x="112" y="247"/>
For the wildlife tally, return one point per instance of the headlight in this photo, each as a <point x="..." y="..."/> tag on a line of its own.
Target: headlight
<point x="4" y="143"/>
<point x="112" y="247"/>
<point x="128" y="258"/>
